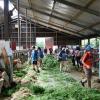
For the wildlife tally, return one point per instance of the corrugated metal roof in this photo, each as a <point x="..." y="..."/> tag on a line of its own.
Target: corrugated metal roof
<point x="78" y="17"/>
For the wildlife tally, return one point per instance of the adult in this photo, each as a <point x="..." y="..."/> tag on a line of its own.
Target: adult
<point x="40" y="57"/>
<point x="29" y="56"/>
<point x="34" y="56"/>
<point x="45" y="51"/>
<point x="62" y="58"/>
<point x="78" y="56"/>
<point x="72" y="52"/>
<point x="50" y="51"/>
<point x="87" y="61"/>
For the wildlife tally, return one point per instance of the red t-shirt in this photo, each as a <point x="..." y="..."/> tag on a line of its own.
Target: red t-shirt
<point x="87" y="60"/>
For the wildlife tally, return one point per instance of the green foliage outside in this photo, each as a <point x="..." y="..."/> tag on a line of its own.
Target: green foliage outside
<point x="40" y="44"/>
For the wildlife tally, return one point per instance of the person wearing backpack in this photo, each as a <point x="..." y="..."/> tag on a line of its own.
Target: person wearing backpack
<point x="34" y="57"/>
<point x="87" y="61"/>
<point x="62" y="58"/>
<point x="78" y="56"/>
<point x="40" y="57"/>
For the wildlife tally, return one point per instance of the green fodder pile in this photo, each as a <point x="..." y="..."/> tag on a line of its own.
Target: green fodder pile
<point x="63" y="88"/>
<point x="72" y="92"/>
<point x="50" y="62"/>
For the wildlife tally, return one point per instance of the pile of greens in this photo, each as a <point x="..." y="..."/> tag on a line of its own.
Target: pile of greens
<point x="64" y="88"/>
<point x="50" y="62"/>
<point x="9" y="91"/>
<point x="73" y="92"/>
<point x="35" y="89"/>
<point x="20" y="73"/>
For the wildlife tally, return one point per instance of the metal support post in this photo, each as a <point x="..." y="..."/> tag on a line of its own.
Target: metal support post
<point x="89" y="41"/>
<point x="30" y="33"/>
<point x="96" y="43"/>
<point x="26" y="29"/>
<point x="18" y="24"/>
<point x="9" y="67"/>
<point x="99" y="57"/>
<point x="35" y="33"/>
<point x="56" y="38"/>
<point x="6" y="20"/>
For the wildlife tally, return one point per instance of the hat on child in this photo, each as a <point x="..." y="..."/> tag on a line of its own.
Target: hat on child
<point x="88" y="48"/>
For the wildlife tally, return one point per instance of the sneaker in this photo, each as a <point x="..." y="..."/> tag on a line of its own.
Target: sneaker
<point x="38" y="71"/>
<point x="34" y="69"/>
<point x="82" y="83"/>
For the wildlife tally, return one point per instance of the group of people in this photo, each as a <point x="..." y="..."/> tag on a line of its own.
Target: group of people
<point x="36" y="58"/>
<point x="36" y="54"/>
<point x="80" y="58"/>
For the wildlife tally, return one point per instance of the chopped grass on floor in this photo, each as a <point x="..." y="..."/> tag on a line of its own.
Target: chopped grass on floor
<point x="35" y="89"/>
<point x="74" y="92"/>
<point x="55" y="85"/>
<point x="20" y="73"/>
<point x="66" y="88"/>
<point x="9" y="91"/>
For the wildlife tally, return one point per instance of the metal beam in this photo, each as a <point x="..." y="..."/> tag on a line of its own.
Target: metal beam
<point x="56" y="27"/>
<point x="97" y="23"/>
<point x="30" y="3"/>
<point x="80" y="12"/>
<point x="68" y="30"/>
<point x="43" y="8"/>
<point x="90" y="3"/>
<point x="65" y="20"/>
<point x="76" y="6"/>
<point x="54" y="3"/>
<point x="6" y="20"/>
<point x="59" y="18"/>
<point x="84" y="36"/>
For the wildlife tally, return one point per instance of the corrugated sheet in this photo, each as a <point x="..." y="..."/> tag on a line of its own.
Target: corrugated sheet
<point x="80" y="16"/>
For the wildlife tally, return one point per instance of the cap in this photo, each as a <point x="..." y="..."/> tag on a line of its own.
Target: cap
<point x="88" y="48"/>
<point x="63" y="48"/>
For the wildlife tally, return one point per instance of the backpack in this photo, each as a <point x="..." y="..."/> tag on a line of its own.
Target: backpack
<point x="78" y="54"/>
<point x="35" y="54"/>
<point x="62" y="55"/>
<point x="41" y="54"/>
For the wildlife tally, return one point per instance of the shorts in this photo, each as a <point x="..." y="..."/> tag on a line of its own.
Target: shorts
<point x="40" y="60"/>
<point x="88" y="72"/>
<point x="59" y="60"/>
<point x="34" y="62"/>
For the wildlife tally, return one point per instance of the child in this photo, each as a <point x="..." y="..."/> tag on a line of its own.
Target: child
<point x="87" y="61"/>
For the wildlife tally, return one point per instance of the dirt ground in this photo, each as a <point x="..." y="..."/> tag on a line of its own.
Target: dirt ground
<point x="78" y="76"/>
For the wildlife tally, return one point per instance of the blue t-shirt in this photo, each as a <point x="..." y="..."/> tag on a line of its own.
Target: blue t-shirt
<point x="34" y="55"/>
<point x="63" y="55"/>
<point x="40" y="54"/>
